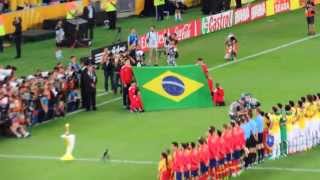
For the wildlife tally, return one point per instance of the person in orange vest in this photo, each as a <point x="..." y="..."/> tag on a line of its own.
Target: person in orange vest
<point x="310" y="13"/>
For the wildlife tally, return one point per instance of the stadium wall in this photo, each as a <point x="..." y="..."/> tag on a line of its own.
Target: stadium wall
<point x="213" y="23"/>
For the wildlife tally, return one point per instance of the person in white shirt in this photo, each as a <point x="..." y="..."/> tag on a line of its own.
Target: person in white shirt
<point x="152" y="44"/>
<point x="60" y="35"/>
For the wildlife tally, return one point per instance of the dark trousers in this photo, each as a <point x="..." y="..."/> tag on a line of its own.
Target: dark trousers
<point x="238" y="4"/>
<point x="17" y="41"/>
<point x="160" y="14"/>
<point x="116" y="83"/>
<point x="91" y="100"/>
<point x="90" y="28"/>
<point x="112" y="17"/>
<point x="1" y="44"/>
<point x="107" y="76"/>
<point x="125" y="96"/>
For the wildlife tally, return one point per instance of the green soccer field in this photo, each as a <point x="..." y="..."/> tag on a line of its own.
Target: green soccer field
<point x="277" y="63"/>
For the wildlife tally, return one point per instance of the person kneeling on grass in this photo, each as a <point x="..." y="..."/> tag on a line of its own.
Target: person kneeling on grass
<point x="218" y="95"/>
<point x="232" y="47"/>
<point x="136" y="103"/>
<point x="18" y="126"/>
<point x="135" y="98"/>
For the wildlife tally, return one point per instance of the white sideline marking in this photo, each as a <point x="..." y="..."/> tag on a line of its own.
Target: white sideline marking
<point x="141" y="162"/>
<point x="34" y="157"/>
<point x="286" y="169"/>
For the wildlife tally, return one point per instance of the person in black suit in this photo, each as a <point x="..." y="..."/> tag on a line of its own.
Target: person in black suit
<point x="17" y="35"/>
<point x="89" y="14"/>
<point x="83" y="72"/>
<point x="89" y="85"/>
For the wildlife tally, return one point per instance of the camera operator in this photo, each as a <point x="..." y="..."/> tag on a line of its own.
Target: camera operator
<point x="108" y="69"/>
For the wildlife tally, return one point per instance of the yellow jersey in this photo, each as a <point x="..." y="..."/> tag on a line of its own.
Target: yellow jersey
<point x="301" y="118"/>
<point x="290" y="121"/>
<point x="162" y="166"/>
<point x="275" y="120"/>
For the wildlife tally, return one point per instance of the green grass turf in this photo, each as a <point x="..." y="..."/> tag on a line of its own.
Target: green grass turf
<point x="275" y="77"/>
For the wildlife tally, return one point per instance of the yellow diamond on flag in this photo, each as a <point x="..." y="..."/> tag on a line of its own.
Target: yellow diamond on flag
<point x="173" y="86"/>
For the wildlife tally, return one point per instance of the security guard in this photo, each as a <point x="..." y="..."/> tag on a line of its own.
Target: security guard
<point x="2" y="33"/>
<point x="159" y="5"/>
<point x="111" y="9"/>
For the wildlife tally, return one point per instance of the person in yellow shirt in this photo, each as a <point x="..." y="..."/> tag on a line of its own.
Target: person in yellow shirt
<point x="295" y="128"/>
<point x="275" y="132"/>
<point x="302" y="141"/>
<point x="289" y="116"/>
<point x="163" y="173"/>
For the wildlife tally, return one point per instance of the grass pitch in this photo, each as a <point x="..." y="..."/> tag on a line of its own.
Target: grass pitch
<point x="286" y="70"/>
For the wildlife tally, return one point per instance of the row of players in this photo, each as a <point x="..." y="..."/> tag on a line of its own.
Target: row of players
<point x="287" y="129"/>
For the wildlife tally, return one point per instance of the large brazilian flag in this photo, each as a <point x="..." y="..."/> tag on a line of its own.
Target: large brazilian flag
<point x="173" y="87"/>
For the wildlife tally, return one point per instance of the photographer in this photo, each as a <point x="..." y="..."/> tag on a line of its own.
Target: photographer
<point x="108" y="69"/>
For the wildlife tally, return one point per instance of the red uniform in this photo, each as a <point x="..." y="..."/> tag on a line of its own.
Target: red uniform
<point x="228" y="142"/>
<point x="126" y="74"/>
<point x="195" y="161"/>
<point x="186" y="160"/>
<point x="218" y="95"/>
<point x="212" y="144"/>
<point x="135" y="102"/>
<point x="204" y="69"/>
<point x="210" y="84"/>
<point x="204" y="154"/>
<point x="132" y="91"/>
<point x="177" y="161"/>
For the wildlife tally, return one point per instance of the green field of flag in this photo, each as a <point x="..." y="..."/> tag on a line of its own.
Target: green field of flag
<point x="173" y="87"/>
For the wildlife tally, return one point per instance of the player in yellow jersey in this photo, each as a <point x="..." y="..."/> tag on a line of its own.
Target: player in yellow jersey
<point x="163" y="173"/>
<point x="289" y="116"/>
<point x="310" y="112"/>
<point x="275" y="132"/>
<point x="295" y="127"/>
<point x="302" y="141"/>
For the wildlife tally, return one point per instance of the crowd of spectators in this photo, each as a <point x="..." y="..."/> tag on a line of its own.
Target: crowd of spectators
<point x="33" y="99"/>
<point x="12" y="5"/>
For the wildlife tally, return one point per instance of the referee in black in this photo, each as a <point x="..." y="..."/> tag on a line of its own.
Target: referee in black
<point x="17" y="35"/>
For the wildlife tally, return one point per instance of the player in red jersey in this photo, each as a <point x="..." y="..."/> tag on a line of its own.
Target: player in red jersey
<point x="177" y="161"/>
<point x="131" y="92"/>
<point x="227" y="137"/>
<point x="238" y="146"/>
<point x="221" y="156"/>
<point x="218" y="95"/>
<point x="204" y="159"/>
<point x="136" y="102"/>
<point x="186" y="161"/>
<point x="126" y="76"/>
<point x="204" y="67"/>
<point x="212" y="141"/>
<point x="195" y="161"/>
